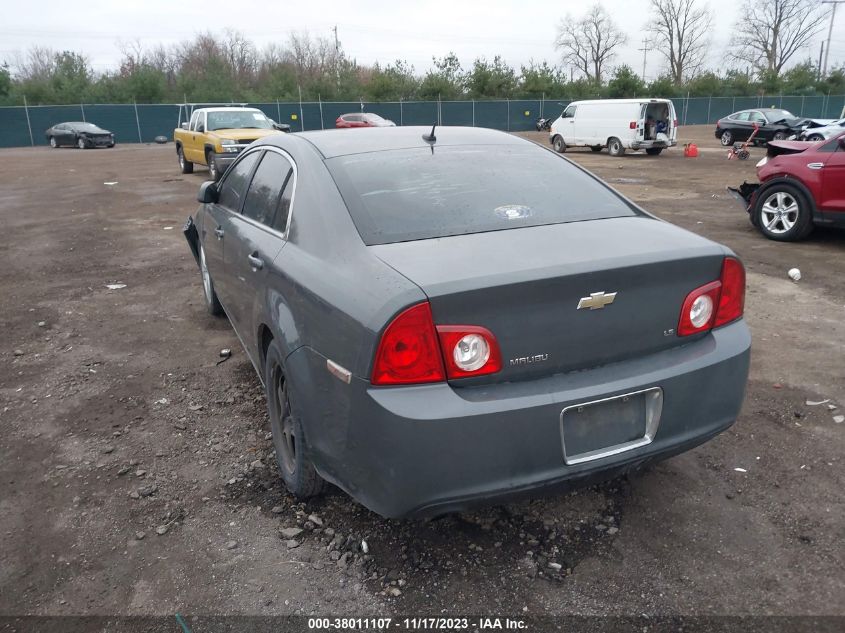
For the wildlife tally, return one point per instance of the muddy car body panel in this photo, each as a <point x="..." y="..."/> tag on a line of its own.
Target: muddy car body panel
<point x="384" y="224"/>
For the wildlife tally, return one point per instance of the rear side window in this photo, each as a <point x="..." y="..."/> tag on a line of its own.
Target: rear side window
<point x="281" y="221"/>
<point x="420" y="193"/>
<point x="262" y="198"/>
<point x="234" y="185"/>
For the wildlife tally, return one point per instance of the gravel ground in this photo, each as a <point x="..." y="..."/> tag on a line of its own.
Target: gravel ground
<point x="136" y="468"/>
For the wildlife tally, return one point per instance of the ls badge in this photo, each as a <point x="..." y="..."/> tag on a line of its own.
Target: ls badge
<point x="596" y="300"/>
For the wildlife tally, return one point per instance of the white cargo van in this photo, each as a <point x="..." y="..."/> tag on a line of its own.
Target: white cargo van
<point x="617" y="124"/>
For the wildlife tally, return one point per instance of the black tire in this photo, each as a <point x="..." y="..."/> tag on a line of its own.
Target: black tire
<point x="298" y="472"/>
<point x="596" y="148"/>
<point x="779" y="136"/>
<point x="53" y="143"/>
<point x="558" y="144"/>
<point x="615" y="147"/>
<point x="213" y="167"/>
<point x="727" y="138"/>
<point x="815" y="137"/>
<point x="653" y="151"/>
<point x="185" y="165"/>
<point x="81" y="144"/>
<point x="788" y="226"/>
<point x="212" y="303"/>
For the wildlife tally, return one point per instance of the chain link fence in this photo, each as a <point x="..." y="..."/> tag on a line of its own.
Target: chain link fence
<point x="22" y="126"/>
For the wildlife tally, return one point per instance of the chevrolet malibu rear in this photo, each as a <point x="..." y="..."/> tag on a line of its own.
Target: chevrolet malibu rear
<point x="475" y="319"/>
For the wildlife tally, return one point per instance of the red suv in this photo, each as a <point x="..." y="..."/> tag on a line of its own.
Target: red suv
<point x="362" y="119"/>
<point x="801" y="185"/>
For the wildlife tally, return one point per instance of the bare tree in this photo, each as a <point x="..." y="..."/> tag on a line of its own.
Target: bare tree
<point x="39" y="63"/>
<point x="589" y="44"/>
<point x="770" y="32"/>
<point x="680" y="30"/>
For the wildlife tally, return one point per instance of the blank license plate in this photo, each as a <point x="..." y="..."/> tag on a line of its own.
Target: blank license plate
<point x="609" y="426"/>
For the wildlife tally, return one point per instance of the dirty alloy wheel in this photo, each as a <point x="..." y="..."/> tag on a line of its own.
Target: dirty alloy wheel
<point x="288" y="439"/>
<point x="212" y="303"/>
<point x="53" y="143"/>
<point x="213" y="168"/>
<point x="558" y="145"/>
<point x="779" y="136"/>
<point x="727" y="138"/>
<point x="615" y="147"/>
<point x="815" y="137"/>
<point x="783" y="214"/>
<point x="80" y="143"/>
<point x="185" y="165"/>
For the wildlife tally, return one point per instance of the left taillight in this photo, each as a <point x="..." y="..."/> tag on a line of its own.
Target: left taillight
<point x="408" y="351"/>
<point x="714" y="304"/>
<point x="412" y="350"/>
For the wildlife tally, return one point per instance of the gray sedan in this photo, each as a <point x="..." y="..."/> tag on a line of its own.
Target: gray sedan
<point x="461" y="317"/>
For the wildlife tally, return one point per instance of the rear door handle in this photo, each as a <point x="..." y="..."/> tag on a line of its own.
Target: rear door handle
<point x="256" y="262"/>
<point x="219" y="232"/>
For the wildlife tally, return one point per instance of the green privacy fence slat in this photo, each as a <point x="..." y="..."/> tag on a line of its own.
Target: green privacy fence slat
<point x="145" y="121"/>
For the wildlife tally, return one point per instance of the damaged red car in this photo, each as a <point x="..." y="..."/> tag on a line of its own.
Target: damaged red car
<point x="802" y="185"/>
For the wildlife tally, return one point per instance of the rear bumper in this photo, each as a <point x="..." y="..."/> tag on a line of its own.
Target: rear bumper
<point x="429" y="449"/>
<point x="650" y="144"/>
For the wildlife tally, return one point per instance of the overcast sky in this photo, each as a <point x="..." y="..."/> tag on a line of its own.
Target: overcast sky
<point x="368" y="30"/>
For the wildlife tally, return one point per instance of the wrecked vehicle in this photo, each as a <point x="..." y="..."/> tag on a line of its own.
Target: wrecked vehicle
<point x="453" y="317"/>
<point x="774" y="124"/>
<point x="801" y="185"/>
<point x="820" y="133"/>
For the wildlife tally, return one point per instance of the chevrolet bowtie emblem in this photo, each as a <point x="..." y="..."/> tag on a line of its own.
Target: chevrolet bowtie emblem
<point x="596" y="300"/>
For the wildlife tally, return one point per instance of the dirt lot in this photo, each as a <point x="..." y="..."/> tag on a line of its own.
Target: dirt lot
<point x="136" y="472"/>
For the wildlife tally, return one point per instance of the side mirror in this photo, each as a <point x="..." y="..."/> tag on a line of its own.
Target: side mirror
<point x="842" y="142"/>
<point x="208" y="192"/>
<point x="184" y="126"/>
<point x="282" y="127"/>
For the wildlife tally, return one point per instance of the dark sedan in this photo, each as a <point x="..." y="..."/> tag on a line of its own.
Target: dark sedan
<point x="774" y="125"/>
<point x="448" y="319"/>
<point x="79" y="134"/>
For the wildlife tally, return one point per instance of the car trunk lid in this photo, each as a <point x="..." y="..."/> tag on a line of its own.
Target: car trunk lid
<point x="525" y="286"/>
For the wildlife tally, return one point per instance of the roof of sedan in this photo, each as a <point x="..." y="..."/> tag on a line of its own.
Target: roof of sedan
<point x="331" y="143"/>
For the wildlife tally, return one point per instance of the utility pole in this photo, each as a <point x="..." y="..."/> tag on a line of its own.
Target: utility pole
<point x="821" y="56"/>
<point x="336" y="42"/>
<point x="829" y="32"/>
<point x="647" y="46"/>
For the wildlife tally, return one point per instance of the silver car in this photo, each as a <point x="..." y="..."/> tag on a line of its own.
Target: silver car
<point x="822" y="133"/>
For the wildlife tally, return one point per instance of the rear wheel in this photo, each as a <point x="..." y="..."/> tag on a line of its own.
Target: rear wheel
<point x="596" y="148"/>
<point x="559" y="145"/>
<point x="288" y="439"/>
<point x="185" y="165"/>
<point x="653" y="151"/>
<point x="783" y="213"/>
<point x="615" y="147"/>
<point x="212" y="303"/>
<point x="53" y="142"/>
<point x="727" y="138"/>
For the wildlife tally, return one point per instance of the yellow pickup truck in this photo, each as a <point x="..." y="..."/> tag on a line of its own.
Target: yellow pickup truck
<point x="215" y="137"/>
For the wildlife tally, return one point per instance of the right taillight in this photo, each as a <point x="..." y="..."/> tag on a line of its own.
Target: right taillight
<point x="716" y="303"/>
<point x="732" y="299"/>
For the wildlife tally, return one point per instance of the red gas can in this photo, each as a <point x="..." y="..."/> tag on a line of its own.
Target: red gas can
<point x="691" y="150"/>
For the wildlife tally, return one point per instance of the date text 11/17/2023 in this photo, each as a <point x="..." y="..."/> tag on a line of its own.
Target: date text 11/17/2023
<point x="416" y="624"/>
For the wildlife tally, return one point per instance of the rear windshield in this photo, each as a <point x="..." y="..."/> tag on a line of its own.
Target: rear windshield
<point x="416" y="194"/>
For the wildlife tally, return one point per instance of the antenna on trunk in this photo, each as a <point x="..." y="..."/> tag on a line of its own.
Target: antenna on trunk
<point x="430" y="138"/>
